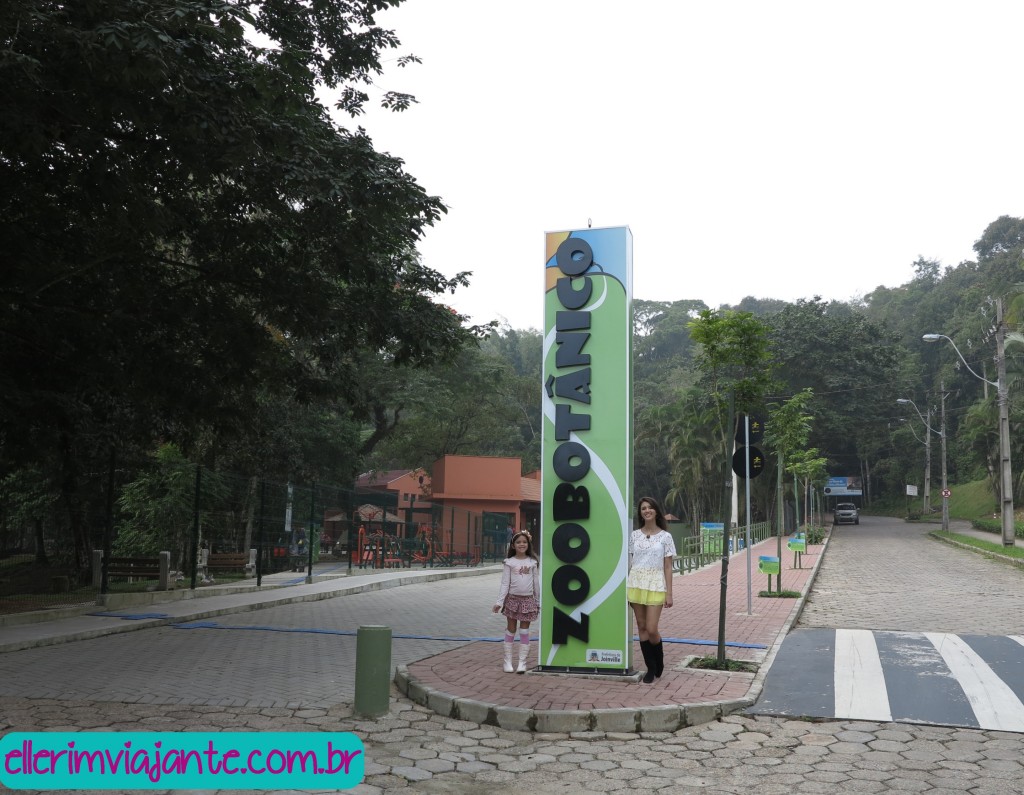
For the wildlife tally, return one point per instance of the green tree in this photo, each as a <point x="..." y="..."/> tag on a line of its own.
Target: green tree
<point x="811" y="469"/>
<point x="694" y="457"/>
<point x="185" y="229"/>
<point x="662" y="373"/>
<point x="158" y="507"/>
<point x="734" y="360"/>
<point x="786" y="432"/>
<point x="470" y="406"/>
<point x="28" y="502"/>
<point x="853" y="368"/>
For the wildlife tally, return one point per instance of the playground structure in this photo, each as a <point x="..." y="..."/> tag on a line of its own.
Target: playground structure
<point x="430" y="546"/>
<point x="382" y="534"/>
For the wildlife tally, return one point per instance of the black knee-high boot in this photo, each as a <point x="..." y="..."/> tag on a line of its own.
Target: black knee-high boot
<point x="648" y="651"/>
<point x="658" y="655"/>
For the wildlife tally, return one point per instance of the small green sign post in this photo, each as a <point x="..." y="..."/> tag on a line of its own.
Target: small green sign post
<point x="768" y="564"/>
<point x="798" y="545"/>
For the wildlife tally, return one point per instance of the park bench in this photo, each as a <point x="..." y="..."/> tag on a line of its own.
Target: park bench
<point x="227" y="561"/>
<point x="156" y="567"/>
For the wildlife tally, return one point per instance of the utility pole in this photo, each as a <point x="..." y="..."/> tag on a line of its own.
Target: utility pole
<point x="928" y="464"/>
<point x="942" y="435"/>
<point x="1003" y="396"/>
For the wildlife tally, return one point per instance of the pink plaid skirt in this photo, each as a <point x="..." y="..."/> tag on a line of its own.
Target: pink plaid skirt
<point x="520" y="608"/>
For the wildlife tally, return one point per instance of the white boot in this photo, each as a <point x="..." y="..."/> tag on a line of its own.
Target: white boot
<point x="508" y="657"/>
<point x="524" y="651"/>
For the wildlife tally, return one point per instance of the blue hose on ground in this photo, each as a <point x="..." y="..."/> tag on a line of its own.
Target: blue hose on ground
<point x="313" y="631"/>
<point x="215" y="625"/>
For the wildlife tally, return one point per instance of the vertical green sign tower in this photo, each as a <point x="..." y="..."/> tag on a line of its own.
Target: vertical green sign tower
<point x="587" y="451"/>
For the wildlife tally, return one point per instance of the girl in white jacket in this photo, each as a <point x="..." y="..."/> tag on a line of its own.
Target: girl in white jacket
<point x="519" y="596"/>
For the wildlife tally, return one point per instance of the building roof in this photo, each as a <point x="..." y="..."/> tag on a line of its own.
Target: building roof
<point x="383" y="478"/>
<point x="373" y="513"/>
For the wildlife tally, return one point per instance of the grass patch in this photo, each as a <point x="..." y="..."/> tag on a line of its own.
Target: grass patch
<point x="995" y="547"/>
<point x="711" y="664"/>
<point x="779" y="594"/>
<point x="970" y="501"/>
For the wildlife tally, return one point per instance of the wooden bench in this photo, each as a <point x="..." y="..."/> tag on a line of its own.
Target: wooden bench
<point x="143" y="568"/>
<point x="134" y="568"/>
<point x="227" y="561"/>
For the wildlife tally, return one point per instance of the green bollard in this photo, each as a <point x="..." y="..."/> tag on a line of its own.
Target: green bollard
<point x="373" y="671"/>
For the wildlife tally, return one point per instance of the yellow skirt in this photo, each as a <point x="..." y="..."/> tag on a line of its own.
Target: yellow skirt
<point x="641" y="596"/>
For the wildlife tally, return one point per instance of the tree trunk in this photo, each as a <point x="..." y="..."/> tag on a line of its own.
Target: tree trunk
<point x="40" y="546"/>
<point x="250" y="512"/>
<point x="69" y="494"/>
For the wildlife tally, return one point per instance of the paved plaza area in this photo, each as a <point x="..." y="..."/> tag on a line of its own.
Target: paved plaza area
<point x="289" y="668"/>
<point x="416" y="750"/>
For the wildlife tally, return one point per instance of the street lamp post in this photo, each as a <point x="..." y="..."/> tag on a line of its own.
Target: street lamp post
<point x="928" y="453"/>
<point x="1002" y="394"/>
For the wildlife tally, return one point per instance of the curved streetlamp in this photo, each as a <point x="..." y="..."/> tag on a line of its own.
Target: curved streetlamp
<point x="928" y="455"/>
<point x="1006" y="496"/>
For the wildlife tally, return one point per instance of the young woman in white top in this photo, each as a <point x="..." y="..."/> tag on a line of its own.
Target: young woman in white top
<point x="649" y="584"/>
<point x="519" y="596"/>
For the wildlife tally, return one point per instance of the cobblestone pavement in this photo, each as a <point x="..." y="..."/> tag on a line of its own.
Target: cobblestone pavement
<point x="889" y="575"/>
<point x="415" y="749"/>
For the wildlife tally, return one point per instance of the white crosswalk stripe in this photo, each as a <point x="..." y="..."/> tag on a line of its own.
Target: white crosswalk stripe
<point x="859" y="682"/>
<point x="976" y="681"/>
<point x="993" y="702"/>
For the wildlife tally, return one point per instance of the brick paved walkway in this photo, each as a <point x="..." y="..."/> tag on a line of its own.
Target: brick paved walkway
<point x="466" y="681"/>
<point x="456" y="678"/>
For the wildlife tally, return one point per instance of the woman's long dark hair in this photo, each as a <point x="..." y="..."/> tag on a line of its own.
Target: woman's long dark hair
<point x="530" y="553"/>
<point x="659" y="516"/>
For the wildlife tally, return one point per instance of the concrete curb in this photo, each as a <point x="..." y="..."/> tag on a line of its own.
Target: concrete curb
<point x="41" y="616"/>
<point x="1018" y="562"/>
<point x="664" y="718"/>
<point x="762" y="672"/>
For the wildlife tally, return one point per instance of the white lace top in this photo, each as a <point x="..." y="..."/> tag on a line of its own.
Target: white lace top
<point x="647" y="559"/>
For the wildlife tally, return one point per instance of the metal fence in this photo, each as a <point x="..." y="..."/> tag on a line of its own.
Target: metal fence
<point x="169" y="524"/>
<point x="705" y="546"/>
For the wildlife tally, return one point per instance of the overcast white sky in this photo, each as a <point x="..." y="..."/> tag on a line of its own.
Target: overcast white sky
<point x="774" y="149"/>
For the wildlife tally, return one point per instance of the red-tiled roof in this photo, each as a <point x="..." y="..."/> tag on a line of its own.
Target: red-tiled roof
<point x="529" y="490"/>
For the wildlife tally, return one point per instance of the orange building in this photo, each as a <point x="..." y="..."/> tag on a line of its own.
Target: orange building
<point x="407" y="488"/>
<point x="483" y="499"/>
<point x="468" y="506"/>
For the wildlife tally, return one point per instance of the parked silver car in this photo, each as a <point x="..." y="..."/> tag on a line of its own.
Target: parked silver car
<point x="845" y="513"/>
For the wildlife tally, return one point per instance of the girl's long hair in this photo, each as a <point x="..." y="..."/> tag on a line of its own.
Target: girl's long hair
<point x="530" y="553"/>
<point x="659" y="517"/>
